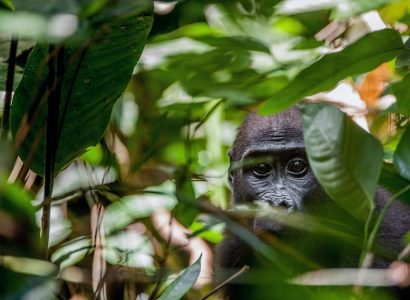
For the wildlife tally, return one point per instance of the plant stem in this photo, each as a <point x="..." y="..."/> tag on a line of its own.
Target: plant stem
<point x="54" y="82"/>
<point x="220" y="286"/>
<point x="375" y="230"/>
<point x="9" y="87"/>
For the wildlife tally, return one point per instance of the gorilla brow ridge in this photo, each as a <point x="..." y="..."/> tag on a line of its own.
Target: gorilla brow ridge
<point x="287" y="122"/>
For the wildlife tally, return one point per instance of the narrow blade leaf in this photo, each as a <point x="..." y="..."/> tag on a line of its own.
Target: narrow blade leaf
<point x="180" y="286"/>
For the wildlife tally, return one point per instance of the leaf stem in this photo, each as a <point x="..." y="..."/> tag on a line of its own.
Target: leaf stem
<point x="244" y="269"/>
<point x="375" y="230"/>
<point x="54" y="83"/>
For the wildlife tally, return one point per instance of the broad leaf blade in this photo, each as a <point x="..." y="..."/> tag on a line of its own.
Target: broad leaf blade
<point x="346" y="159"/>
<point x="97" y="71"/>
<point x="362" y="56"/>
<point x="402" y="92"/>
<point x="402" y="155"/>
<point x="180" y="286"/>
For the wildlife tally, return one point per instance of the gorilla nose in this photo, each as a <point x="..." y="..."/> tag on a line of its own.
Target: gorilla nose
<point x="285" y="203"/>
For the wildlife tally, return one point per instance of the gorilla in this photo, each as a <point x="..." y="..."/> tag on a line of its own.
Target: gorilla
<point x="269" y="164"/>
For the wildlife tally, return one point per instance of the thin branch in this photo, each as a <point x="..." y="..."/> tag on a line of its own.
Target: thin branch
<point x="373" y="234"/>
<point x="223" y="284"/>
<point x="9" y="87"/>
<point x="54" y="81"/>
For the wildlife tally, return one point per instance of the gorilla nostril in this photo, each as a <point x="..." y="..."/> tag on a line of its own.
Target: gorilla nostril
<point x="285" y="204"/>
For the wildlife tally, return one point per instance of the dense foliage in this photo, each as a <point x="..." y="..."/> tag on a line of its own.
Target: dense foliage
<point x="118" y="115"/>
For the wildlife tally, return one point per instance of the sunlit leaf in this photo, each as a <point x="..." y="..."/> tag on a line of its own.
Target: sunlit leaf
<point x="362" y="56"/>
<point x="28" y="265"/>
<point x="130" y="208"/>
<point x="130" y="249"/>
<point x="181" y="285"/>
<point x="339" y="154"/>
<point x="72" y="252"/>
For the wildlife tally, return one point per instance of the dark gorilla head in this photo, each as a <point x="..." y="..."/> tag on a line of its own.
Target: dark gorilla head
<point x="269" y="163"/>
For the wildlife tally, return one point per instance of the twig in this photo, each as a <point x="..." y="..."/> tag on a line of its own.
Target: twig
<point x="54" y="81"/>
<point x="9" y="87"/>
<point x="220" y="286"/>
<point x="373" y="234"/>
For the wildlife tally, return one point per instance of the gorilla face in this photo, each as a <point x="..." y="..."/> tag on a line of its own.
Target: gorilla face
<point x="269" y="164"/>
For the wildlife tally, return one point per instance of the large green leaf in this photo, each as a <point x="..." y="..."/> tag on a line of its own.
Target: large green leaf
<point x="346" y="159"/>
<point x="98" y="65"/>
<point x="362" y="56"/>
<point x="402" y="92"/>
<point x="402" y="155"/>
<point x="180" y="286"/>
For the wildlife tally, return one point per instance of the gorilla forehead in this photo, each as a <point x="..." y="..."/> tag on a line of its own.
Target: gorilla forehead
<point x="281" y="130"/>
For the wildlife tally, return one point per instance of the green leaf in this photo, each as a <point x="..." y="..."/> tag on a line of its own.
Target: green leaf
<point x="180" y="286"/>
<point x="402" y="155"/>
<point x="392" y="181"/>
<point x="8" y="4"/>
<point x="130" y="208"/>
<point x="186" y="209"/>
<point x="72" y="252"/>
<point x="128" y="248"/>
<point x="98" y="69"/>
<point x="402" y="92"/>
<point x="403" y="59"/>
<point x="346" y="159"/>
<point x="350" y="8"/>
<point x="362" y="56"/>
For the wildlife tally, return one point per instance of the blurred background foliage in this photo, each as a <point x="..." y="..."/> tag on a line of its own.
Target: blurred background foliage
<point x="140" y="148"/>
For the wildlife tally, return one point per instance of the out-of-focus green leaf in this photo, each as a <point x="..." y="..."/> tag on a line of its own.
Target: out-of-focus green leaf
<point x="23" y="24"/>
<point x="181" y="285"/>
<point x="93" y="155"/>
<point x="340" y="9"/>
<point x="18" y="230"/>
<point x="130" y="249"/>
<point x="72" y="252"/>
<point x="186" y="209"/>
<point x="213" y="234"/>
<point x="28" y="265"/>
<point x="238" y="42"/>
<point x="362" y="56"/>
<point x="403" y="59"/>
<point x="402" y="155"/>
<point x="130" y="208"/>
<point x="392" y="181"/>
<point x="8" y="4"/>
<point x="339" y="154"/>
<point x="402" y="93"/>
<point x="90" y="88"/>
<point x="350" y="8"/>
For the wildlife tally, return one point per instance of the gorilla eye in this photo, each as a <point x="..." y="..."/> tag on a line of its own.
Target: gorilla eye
<point x="297" y="167"/>
<point x="261" y="170"/>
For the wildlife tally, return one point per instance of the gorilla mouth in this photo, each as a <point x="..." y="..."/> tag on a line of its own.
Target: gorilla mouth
<point x="270" y="221"/>
<point x="265" y="224"/>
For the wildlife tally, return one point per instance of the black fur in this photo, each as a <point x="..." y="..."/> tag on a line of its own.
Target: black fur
<point x="266" y="152"/>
